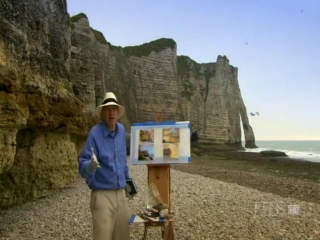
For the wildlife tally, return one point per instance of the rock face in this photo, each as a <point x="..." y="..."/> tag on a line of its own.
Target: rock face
<point x="274" y="153"/>
<point x="40" y="117"/>
<point x="54" y="71"/>
<point x="212" y="101"/>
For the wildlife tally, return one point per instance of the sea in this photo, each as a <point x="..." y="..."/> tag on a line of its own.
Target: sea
<point x="302" y="150"/>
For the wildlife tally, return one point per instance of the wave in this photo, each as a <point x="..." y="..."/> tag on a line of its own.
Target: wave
<point x="307" y="156"/>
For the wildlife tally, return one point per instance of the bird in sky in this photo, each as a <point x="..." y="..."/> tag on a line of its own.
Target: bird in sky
<point x="253" y="114"/>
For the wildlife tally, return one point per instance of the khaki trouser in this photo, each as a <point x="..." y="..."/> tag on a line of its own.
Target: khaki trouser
<point x="110" y="215"/>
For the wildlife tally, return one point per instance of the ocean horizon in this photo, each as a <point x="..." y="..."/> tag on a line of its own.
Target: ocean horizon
<point x="308" y="150"/>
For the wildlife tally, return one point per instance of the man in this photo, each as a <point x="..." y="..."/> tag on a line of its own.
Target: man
<point x="103" y="163"/>
<point x="194" y="136"/>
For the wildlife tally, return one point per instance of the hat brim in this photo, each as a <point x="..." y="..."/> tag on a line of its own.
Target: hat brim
<point x="99" y="109"/>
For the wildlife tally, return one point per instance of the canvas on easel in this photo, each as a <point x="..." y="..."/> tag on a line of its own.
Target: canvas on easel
<point x="160" y="143"/>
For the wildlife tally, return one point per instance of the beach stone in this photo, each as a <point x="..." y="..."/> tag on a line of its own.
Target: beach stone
<point x="231" y="212"/>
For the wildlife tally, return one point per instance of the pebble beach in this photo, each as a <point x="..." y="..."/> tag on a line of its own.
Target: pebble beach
<point x="205" y="208"/>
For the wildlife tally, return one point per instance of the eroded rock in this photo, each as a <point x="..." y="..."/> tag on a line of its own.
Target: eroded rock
<point x="273" y="153"/>
<point x="55" y="69"/>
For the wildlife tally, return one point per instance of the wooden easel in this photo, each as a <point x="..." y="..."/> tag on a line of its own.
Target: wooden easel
<point x="159" y="175"/>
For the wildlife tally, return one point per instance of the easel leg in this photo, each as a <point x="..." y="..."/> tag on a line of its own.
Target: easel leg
<point x="145" y="233"/>
<point x="168" y="231"/>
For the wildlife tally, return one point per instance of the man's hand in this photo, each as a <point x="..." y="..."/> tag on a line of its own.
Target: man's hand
<point x="128" y="190"/>
<point x="131" y="191"/>
<point x="94" y="162"/>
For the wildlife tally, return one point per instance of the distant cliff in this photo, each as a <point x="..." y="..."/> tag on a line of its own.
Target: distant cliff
<point x="151" y="78"/>
<point x="55" y="69"/>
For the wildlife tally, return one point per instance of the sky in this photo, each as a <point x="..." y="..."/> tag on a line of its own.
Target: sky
<point x="275" y="44"/>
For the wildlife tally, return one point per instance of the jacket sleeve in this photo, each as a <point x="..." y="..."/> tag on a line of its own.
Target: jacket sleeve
<point x="84" y="165"/>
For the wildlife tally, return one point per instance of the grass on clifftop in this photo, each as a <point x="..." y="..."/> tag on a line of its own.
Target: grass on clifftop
<point x="137" y="51"/>
<point x="186" y="64"/>
<point x="99" y="36"/>
<point x="77" y="17"/>
<point x="101" y="39"/>
<point x="146" y="48"/>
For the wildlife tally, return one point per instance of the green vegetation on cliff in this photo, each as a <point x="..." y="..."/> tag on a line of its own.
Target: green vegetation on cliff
<point x="112" y="47"/>
<point x="187" y="90"/>
<point x="185" y="65"/>
<point x="209" y="72"/>
<point x="99" y="36"/>
<point x="137" y="51"/>
<point x="77" y="17"/>
<point x="183" y="69"/>
<point x="101" y="39"/>
<point x="146" y="48"/>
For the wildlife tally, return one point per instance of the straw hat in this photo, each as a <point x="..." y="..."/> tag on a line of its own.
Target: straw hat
<point x="110" y="100"/>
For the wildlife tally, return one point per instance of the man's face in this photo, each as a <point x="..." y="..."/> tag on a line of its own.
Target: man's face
<point x="110" y="114"/>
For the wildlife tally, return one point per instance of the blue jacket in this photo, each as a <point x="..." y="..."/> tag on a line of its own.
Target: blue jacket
<point x="111" y="153"/>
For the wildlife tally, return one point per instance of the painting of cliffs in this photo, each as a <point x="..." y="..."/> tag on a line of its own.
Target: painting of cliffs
<point x="54" y="71"/>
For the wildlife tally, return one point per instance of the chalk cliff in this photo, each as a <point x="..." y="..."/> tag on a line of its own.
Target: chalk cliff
<point x="55" y="69"/>
<point x="40" y="118"/>
<point x="151" y="78"/>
